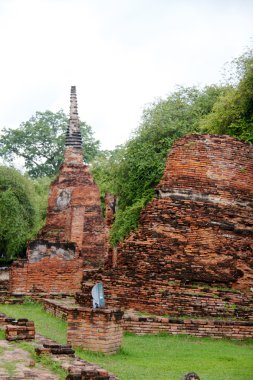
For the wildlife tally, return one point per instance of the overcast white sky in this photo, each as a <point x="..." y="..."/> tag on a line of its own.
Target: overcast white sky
<point x="121" y="55"/>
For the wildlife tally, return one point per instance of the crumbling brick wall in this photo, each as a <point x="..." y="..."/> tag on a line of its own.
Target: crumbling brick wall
<point x="49" y="267"/>
<point x="198" y="228"/>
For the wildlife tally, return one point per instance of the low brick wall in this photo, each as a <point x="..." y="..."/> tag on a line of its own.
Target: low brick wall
<point x="97" y="330"/>
<point x="22" y="329"/>
<point x="55" y="349"/>
<point x="141" y="325"/>
<point x="50" y="274"/>
<point x="168" y="298"/>
<point x="56" y="309"/>
<point x="195" y="327"/>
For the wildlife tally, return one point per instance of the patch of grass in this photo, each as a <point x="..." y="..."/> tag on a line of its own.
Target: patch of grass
<point x="157" y="357"/>
<point x="45" y="323"/>
<point x="53" y="366"/>
<point x="10" y="367"/>
<point x="29" y="301"/>
<point x="170" y="357"/>
<point x="44" y="360"/>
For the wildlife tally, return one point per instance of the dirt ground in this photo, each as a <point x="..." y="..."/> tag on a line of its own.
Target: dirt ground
<point x="17" y="364"/>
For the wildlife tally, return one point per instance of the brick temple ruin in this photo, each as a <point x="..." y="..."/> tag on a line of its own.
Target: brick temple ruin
<point x="73" y="238"/>
<point x="191" y="256"/>
<point x="193" y="250"/>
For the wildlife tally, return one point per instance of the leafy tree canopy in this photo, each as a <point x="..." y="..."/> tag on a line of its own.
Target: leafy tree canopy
<point x="133" y="170"/>
<point x="232" y="114"/>
<point x="163" y="122"/>
<point x="40" y="142"/>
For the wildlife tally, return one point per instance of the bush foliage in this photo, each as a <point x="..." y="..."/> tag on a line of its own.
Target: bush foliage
<point x="22" y="209"/>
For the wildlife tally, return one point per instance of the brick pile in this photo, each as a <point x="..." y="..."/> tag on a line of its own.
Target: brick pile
<point x="22" y="329"/>
<point x="98" y="330"/>
<point x="4" y="320"/>
<point x="91" y="373"/>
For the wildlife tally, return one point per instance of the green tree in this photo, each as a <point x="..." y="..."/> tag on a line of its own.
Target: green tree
<point x="41" y="188"/>
<point x="19" y="216"/>
<point x="40" y="142"/>
<point x="232" y="113"/>
<point x="163" y="122"/>
<point x="105" y="167"/>
<point x="137" y="167"/>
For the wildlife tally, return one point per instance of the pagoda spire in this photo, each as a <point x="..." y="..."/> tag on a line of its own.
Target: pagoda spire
<point x="73" y="134"/>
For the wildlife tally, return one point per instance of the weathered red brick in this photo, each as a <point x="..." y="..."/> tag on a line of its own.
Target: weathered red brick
<point x="197" y="230"/>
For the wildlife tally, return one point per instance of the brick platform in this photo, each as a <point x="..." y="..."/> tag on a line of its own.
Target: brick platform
<point x="98" y="330"/>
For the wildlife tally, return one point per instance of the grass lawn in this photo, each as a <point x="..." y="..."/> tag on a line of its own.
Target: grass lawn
<point x="45" y="324"/>
<point x="162" y="357"/>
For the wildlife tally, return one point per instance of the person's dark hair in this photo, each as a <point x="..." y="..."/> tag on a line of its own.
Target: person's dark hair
<point x="191" y="376"/>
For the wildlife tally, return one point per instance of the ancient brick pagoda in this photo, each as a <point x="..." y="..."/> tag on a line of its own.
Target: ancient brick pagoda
<point x="196" y="233"/>
<point x="74" y="212"/>
<point x="73" y="238"/>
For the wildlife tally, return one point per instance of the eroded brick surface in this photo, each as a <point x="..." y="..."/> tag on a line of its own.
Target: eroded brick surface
<point x="50" y="275"/>
<point x="74" y="212"/>
<point x="197" y="230"/>
<point x="200" y="227"/>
